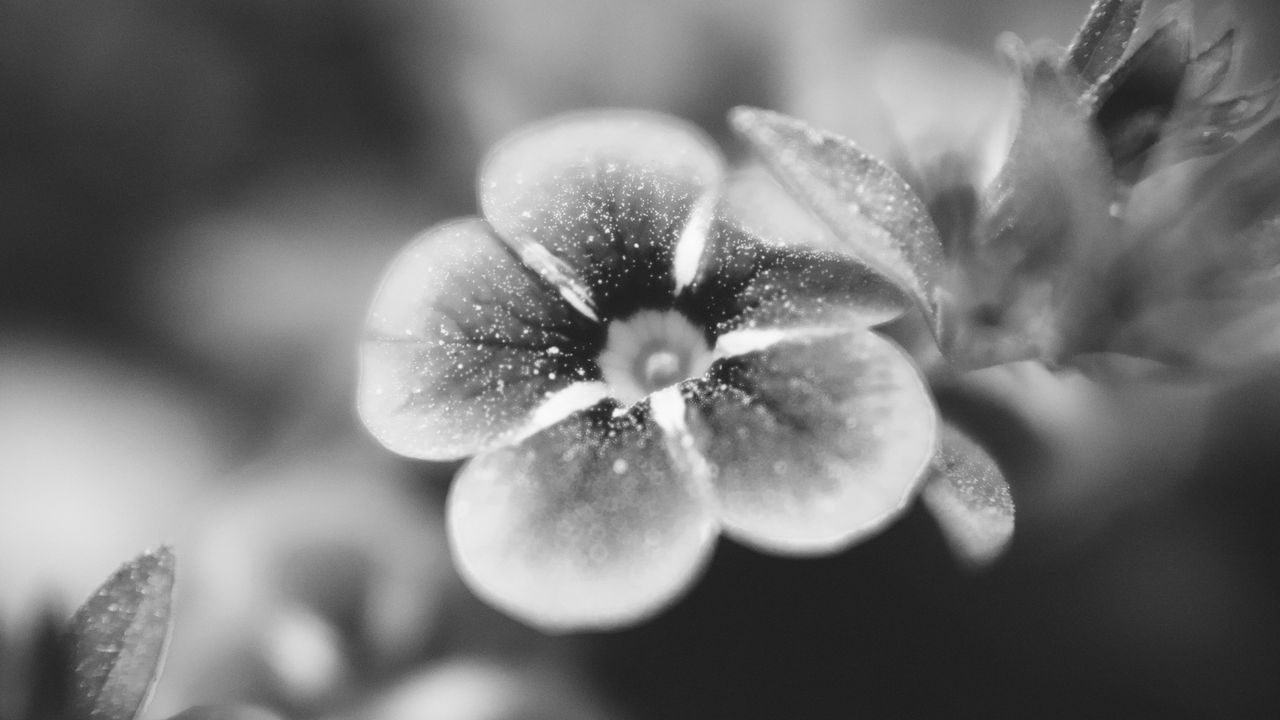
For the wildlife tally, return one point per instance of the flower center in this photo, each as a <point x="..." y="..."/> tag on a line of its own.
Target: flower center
<point x="652" y="350"/>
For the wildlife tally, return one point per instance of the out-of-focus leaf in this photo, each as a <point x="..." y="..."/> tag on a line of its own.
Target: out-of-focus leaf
<point x="870" y="207"/>
<point x="1209" y="128"/>
<point x="1246" y="336"/>
<point x="1137" y="99"/>
<point x="1243" y="110"/>
<point x="1103" y="38"/>
<point x="1157" y="65"/>
<point x="970" y="499"/>
<point x="118" y="639"/>
<point x="1223" y="334"/>
<point x="1180" y="144"/>
<point x="1209" y="67"/>
<point x="1030" y="281"/>
<point x="1204" y="286"/>
<point x="1242" y="189"/>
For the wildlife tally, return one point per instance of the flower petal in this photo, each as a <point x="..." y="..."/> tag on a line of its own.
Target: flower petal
<point x="596" y="521"/>
<point x="817" y="441"/>
<point x="969" y="498"/>
<point x="868" y="205"/>
<point x="463" y="343"/>
<point x="606" y="195"/>
<point x="748" y="280"/>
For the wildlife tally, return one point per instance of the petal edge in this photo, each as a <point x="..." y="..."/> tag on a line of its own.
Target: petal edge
<point x="818" y="441"/>
<point x="592" y="523"/>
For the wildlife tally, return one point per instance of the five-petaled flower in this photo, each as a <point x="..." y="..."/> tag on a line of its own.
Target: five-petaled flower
<point x="635" y="368"/>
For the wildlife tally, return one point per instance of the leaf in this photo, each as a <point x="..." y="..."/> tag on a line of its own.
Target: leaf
<point x="1137" y="99"/>
<point x="1242" y="189"/>
<point x="869" y="206"/>
<point x="1211" y="128"/>
<point x="970" y="499"/>
<point x="1243" y="110"/>
<point x="118" y="639"/>
<point x="1210" y="67"/>
<point x="1102" y="40"/>
<point x="1029" y="285"/>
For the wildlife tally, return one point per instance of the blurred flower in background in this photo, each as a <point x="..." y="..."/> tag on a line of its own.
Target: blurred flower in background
<point x="100" y="458"/>
<point x="480" y="689"/>
<point x="308" y="573"/>
<point x="267" y="293"/>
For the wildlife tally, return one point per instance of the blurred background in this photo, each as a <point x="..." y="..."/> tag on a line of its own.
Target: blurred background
<point x="196" y="201"/>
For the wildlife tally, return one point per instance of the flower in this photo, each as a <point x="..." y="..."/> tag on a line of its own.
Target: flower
<point x="634" y="369"/>
<point x="1096" y="235"/>
<point x="1136" y="213"/>
<point x="314" y="567"/>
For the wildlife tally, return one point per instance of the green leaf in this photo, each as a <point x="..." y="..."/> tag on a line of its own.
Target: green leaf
<point x="1102" y="40"/>
<point x="870" y="207"/>
<point x="970" y="499"/>
<point x="118" y="639"/>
